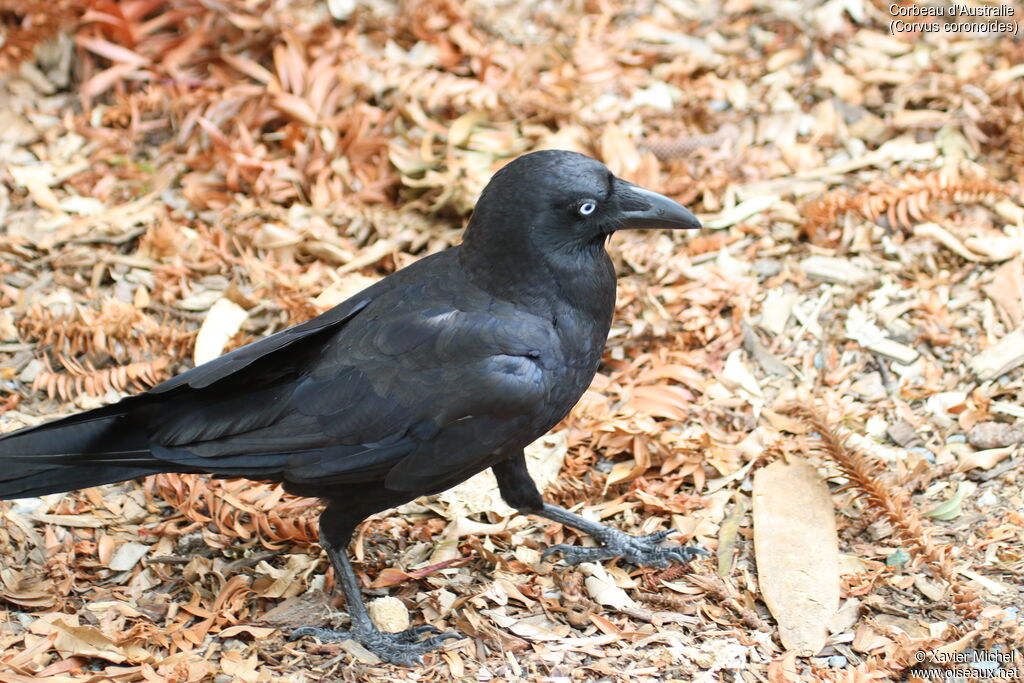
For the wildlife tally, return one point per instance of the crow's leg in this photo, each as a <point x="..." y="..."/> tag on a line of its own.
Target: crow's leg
<point x="403" y="648"/>
<point x="519" y="491"/>
<point x="642" y="551"/>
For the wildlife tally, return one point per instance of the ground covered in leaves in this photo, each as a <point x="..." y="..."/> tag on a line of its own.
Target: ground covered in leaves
<point x="179" y="177"/>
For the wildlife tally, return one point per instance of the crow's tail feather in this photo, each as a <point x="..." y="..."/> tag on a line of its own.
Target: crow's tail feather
<point x="101" y="446"/>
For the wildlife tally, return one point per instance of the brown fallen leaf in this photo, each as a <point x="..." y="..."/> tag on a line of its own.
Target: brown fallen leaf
<point x="241" y="668"/>
<point x="797" y="552"/>
<point x="14" y="588"/>
<point x="392" y="576"/>
<point x="727" y="536"/>
<point x="783" y="669"/>
<point x="1007" y="292"/>
<point x="257" y="632"/>
<point x="90" y="641"/>
<point x="985" y="459"/>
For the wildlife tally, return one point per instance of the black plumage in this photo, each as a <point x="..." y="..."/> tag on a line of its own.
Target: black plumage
<point x="446" y="367"/>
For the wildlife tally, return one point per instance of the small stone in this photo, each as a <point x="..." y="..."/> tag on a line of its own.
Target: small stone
<point x="986" y="435"/>
<point x="877" y="427"/>
<point x="924" y="452"/>
<point x="987" y="499"/>
<point x="389" y="614"/>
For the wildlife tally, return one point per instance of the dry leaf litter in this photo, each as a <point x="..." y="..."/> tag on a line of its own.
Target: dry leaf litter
<point x="180" y="177"/>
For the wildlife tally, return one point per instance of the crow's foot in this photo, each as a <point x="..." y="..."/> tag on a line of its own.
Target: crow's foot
<point x="643" y="551"/>
<point x="403" y="648"/>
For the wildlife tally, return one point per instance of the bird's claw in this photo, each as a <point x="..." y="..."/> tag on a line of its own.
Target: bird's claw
<point x="403" y="648"/>
<point x="412" y="635"/>
<point x="642" y="551"/>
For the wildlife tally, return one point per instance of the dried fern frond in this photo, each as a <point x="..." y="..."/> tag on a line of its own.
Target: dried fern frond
<point x="683" y="146"/>
<point x="24" y="24"/>
<point x="902" y="206"/>
<point x="118" y="329"/>
<point x="88" y="380"/>
<point x="865" y="475"/>
<point x="725" y="593"/>
<point x="242" y="509"/>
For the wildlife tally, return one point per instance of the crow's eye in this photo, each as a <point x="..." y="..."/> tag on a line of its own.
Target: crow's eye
<point x="586" y="208"/>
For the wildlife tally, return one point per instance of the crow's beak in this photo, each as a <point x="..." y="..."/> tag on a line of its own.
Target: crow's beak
<point x="640" y="208"/>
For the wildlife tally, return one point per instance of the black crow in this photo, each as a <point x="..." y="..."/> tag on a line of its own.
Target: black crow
<point x="444" y="368"/>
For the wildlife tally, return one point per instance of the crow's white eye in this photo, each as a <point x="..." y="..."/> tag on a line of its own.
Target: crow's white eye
<point x="587" y="208"/>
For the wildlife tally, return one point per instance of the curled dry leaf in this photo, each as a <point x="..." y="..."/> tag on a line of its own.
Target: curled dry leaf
<point x="223" y="321"/>
<point x="88" y="641"/>
<point x="601" y="587"/>
<point x="986" y="459"/>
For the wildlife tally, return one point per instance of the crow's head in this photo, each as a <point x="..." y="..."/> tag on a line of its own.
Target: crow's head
<point x="556" y="200"/>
